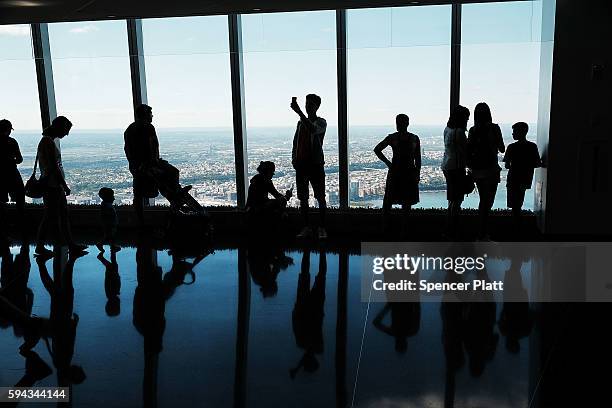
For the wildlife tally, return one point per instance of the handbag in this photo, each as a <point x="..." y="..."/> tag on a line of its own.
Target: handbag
<point x="466" y="180"/>
<point x="467" y="183"/>
<point x="35" y="187"/>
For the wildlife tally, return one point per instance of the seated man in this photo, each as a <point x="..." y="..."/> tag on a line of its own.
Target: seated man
<point x="142" y="150"/>
<point x="260" y="207"/>
<point x="151" y="173"/>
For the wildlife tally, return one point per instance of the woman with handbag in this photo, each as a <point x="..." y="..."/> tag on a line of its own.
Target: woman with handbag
<point x="453" y="166"/>
<point x="484" y="143"/>
<point x="53" y="186"/>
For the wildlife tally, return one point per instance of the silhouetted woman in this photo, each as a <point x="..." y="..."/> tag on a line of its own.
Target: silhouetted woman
<point x="454" y="163"/>
<point x="484" y="143"/>
<point x="54" y="198"/>
<point x="404" y="168"/>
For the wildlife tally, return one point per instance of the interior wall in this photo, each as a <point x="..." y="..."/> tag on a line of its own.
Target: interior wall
<point x="574" y="188"/>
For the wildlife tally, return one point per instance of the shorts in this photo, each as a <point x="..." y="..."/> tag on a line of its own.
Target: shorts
<point x="516" y="197"/>
<point x="313" y="175"/>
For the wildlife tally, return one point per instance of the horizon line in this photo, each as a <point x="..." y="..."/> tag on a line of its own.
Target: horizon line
<point x="188" y="128"/>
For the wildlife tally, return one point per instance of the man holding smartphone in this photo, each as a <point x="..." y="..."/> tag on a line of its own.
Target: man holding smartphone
<point x="307" y="159"/>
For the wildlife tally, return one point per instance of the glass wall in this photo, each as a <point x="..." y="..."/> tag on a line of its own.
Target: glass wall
<point x="91" y="72"/>
<point x="287" y="55"/>
<point x="188" y="84"/>
<point x="500" y="65"/>
<point x="19" y="100"/>
<point x="398" y="62"/>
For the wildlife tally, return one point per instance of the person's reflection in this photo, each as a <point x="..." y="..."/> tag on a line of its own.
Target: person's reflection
<point x="405" y="311"/>
<point x="112" y="284"/>
<point x="308" y="312"/>
<point x="153" y="290"/>
<point x="62" y="325"/>
<point x="264" y="266"/>
<point x="181" y="273"/>
<point x="14" y="277"/>
<point x="515" y="320"/>
<point x="149" y="316"/>
<point x="480" y="339"/>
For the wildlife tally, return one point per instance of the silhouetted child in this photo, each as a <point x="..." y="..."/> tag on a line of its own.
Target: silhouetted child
<point x="112" y="284"/>
<point x="521" y="158"/>
<point x="108" y="217"/>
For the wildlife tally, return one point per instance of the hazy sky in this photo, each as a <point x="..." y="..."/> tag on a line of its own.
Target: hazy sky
<point x="398" y="61"/>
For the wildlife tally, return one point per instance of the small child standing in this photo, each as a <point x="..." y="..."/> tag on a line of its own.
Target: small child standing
<point x="521" y="158"/>
<point x="108" y="216"/>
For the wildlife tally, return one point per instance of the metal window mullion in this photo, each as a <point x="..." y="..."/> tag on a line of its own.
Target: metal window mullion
<point x="455" y="80"/>
<point x="138" y="75"/>
<point x="137" y="61"/>
<point x="44" y="73"/>
<point x="341" y="56"/>
<point x="239" y="113"/>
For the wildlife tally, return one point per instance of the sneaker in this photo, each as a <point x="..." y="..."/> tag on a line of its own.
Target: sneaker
<point x="100" y="247"/>
<point x="305" y="233"/>
<point x="322" y="233"/>
<point x="43" y="252"/>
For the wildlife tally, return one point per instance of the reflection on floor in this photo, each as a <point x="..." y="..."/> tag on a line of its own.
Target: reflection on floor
<point x="242" y="328"/>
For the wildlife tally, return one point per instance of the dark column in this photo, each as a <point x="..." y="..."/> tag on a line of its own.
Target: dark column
<point x="343" y="165"/>
<point x="239" y="113"/>
<point x="455" y="56"/>
<point x="44" y="73"/>
<point x="137" y="61"/>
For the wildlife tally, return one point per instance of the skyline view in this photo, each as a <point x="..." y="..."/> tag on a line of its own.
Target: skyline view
<point x="398" y="61"/>
<point x="205" y="159"/>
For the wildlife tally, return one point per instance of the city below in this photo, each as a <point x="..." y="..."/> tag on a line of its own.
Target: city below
<point x="205" y="157"/>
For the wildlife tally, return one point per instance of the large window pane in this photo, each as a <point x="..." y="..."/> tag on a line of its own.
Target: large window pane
<point x="398" y="62"/>
<point x="500" y="65"/>
<point x="188" y="82"/>
<point x="92" y="85"/>
<point x="287" y="55"/>
<point x="19" y="100"/>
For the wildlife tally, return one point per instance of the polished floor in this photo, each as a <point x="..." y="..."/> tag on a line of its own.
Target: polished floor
<point x="250" y="329"/>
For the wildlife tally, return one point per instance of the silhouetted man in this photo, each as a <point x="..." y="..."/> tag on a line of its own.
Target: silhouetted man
<point x="142" y="150"/>
<point x="10" y="182"/>
<point x="307" y="159"/>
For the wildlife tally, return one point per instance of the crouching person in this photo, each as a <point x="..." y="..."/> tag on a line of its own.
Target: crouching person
<point x="264" y="213"/>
